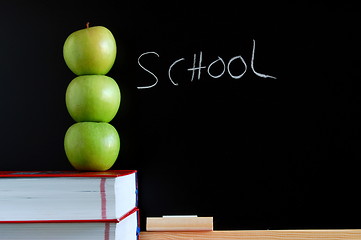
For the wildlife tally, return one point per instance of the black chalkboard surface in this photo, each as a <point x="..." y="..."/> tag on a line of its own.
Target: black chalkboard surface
<point x="247" y="112"/>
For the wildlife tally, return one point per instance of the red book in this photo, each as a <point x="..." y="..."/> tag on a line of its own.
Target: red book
<point x="124" y="228"/>
<point x="67" y="195"/>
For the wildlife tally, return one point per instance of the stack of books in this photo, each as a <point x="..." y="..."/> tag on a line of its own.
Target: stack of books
<point x="69" y="205"/>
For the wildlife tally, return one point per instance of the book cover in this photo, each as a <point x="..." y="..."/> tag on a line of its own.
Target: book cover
<point x="109" y="173"/>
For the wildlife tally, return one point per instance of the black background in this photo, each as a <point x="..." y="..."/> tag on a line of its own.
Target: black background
<point x="254" y="153"/>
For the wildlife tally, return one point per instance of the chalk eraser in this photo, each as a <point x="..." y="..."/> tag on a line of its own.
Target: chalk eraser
<point x="179" y="223"/>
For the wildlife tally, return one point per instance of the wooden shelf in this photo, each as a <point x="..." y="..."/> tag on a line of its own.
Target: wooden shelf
<point x="349" y="234"/>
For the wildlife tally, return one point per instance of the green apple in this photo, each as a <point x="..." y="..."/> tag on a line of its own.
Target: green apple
<point x="92" y="98"/>
<point x="92" y="146"/>
<point x="90" y="51"/>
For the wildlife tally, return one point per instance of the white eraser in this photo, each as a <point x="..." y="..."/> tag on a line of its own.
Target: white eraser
<point x="180" y="223"/>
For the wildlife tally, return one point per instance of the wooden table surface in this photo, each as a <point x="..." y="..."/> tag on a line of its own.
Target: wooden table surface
<point x="349" y="234"/>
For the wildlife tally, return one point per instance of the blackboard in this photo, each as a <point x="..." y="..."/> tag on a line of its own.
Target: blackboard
<point x="247" y="112"/>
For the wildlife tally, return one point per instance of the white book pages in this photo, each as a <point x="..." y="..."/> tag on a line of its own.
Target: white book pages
<point x="66" y="198"/>
<point x="126" y="229"/>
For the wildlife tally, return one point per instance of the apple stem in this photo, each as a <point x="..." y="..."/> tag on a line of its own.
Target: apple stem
<point x="87" y="25"/>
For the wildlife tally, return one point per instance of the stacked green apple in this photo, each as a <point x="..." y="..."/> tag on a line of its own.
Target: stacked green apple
<point x="92" y="99"/>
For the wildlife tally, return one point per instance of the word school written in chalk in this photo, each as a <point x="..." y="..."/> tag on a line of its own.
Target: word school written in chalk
<point x="197" y="67"/>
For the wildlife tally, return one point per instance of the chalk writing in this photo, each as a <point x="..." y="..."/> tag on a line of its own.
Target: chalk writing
<point x="156" y="79"/>
<point x="170" y="69"/>
<point x="244" y="63"/>
<point x="214" y="62"/>
<point x="258" y="74"/>
<point x="197" y="68"/>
